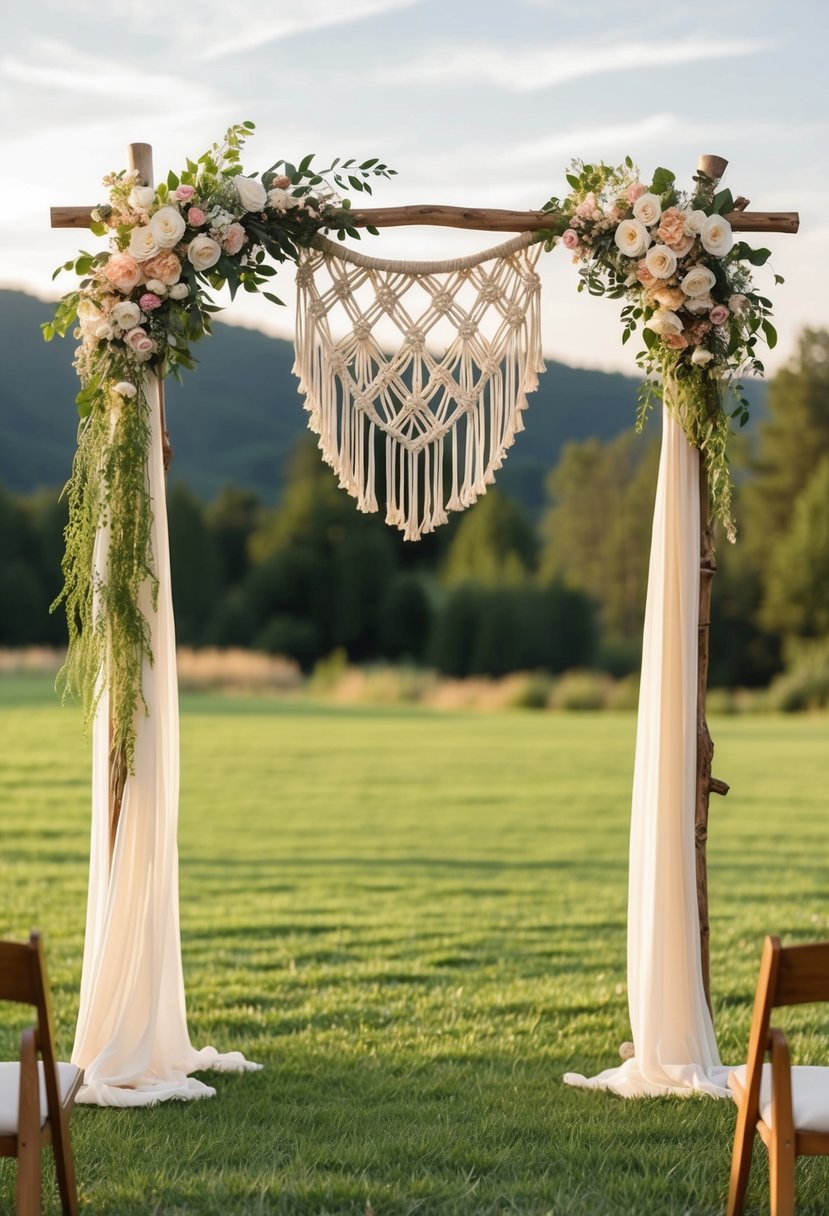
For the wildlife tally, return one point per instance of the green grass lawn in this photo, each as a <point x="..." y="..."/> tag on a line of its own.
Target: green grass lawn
<point x="416" y="922"/>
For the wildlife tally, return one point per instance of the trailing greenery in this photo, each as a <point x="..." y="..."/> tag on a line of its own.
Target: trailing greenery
<point x="417" y="939"/>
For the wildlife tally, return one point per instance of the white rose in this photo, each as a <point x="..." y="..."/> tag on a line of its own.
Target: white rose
<point x="278" y="199"/>
<point x="204" y="252"/>
<point x="179" y="292"/>
<point x="251" y="193"/>
<point x="104" y="331"/>
<point x="738" y="303"/>
<point x="661" y="261"/>
<point x="694" y="221"/>
<point x="701" y="356"/>
<point x="141" y="197"/>
<point x="89" y="315"/>
<point x="124" y="389"/>
<point x="143" y="243"/>
<point x="664" y="322"/>
<point x="698" y="281"/>
<point x="168" y="227"/>
<point x="716" y="235"/>
<point x="632" y="237"/>
<point x="126" y="314"/>
<point x="699" y="304"/>
<point x="155" y="285"/>
<point x="647" y="209"/>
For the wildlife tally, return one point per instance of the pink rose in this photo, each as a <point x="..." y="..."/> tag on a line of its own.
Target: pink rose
<point x="570" y="239"/>
<point x="281" y="183"/>
<point x="719" y="314"/>
<point x="164" y="266"/>
<point x="675" y="341"/>
<point x="140" y="341"/>
<point x="123" y="272"/>
<point x="235" y="238"/>
<point x="149" y="301"/>
<point x="635" y="191"/>
<point x="644" y="275"/>
<point x="195" y="217"/>
<point x="185" y="193"/>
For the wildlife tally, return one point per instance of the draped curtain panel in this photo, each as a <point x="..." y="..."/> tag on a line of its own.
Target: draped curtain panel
<point x="673" y="1036"/>
<point x="131" y="1038"/>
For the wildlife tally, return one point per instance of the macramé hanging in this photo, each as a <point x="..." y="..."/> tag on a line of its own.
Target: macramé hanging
<point x="449" y="416"/>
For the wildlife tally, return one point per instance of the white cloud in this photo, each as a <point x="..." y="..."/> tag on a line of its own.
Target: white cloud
<point x="524" y="71"/>
<point x="43" y="70"/>
<point x="278" y="19"/>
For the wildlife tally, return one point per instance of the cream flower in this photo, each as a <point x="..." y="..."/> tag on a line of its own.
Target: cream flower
<point x="716" y="235"/>
<point x="660" y="261"/>
<point x="694" y="221"/>
<point x="698" y="281"/>
<point x="156" y="287"/>
<point x="738" y="303"/>
<point x="699" y="304"/>
<point x="647" y="209"/>
<point x="632" y="237"/>
<point x="141" y="197"/>
<point x="126" y="314"/>
<point x="204" y="252"/>
<point x="124" y="389"/>
<point x="168" y="227"/>
<point x="664" y="322"/>
<point x="143" y="243"/>
<point x="701" y="356"/>
<point x="279" y="199"/>
<point x="179" y="291"/>
<point x="252" y="194"/>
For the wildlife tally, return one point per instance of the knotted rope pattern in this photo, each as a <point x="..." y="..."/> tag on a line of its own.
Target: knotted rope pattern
<point x="447" y="417"/>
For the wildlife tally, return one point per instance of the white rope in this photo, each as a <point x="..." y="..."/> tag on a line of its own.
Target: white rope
<point x="474" y="391"/>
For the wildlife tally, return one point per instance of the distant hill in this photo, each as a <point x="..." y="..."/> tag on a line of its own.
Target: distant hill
<point x="235" y="420"/>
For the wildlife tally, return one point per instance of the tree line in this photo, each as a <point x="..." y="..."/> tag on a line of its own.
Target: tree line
<point x="495" y="591"/>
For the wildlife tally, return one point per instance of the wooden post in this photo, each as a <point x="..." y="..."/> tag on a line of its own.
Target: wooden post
<point x="714" y="167"/>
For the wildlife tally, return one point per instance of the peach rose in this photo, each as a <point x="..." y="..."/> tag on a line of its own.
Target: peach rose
<point x="671" y="298"/>
<point x="644" y="275"/>
<point x="123" y="272"/>
<point x="672" y="227"/>
<point x="235" y="238"/>
<point x="635" y="191"/>
<point x="676" y="341"/>
<point x="164" y="266"/>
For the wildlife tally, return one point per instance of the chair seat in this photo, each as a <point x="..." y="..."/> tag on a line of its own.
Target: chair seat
<point x="810" y="1096"/>
<point x="68" y="1079"/>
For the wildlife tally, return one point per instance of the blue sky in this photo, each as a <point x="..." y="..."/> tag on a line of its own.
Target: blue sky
<point x="473" y="102"/>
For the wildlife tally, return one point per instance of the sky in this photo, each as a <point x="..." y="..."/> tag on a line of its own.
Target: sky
<point x="473" y="102"/>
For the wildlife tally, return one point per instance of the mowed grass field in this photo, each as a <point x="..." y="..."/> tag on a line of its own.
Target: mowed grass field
<point x="416" y="922"/>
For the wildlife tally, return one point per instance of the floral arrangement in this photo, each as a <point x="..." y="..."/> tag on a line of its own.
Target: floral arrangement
<point x="140" y="306"/>
<point x="688" y="284"/>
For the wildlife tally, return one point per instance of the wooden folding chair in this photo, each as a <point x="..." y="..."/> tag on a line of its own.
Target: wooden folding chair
<point x="788" y="1106"/>
<point x="36" y="1098"/>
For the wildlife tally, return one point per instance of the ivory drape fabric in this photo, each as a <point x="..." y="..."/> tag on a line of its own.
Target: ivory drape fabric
<point x="131" y="1038"/>
<point x="673" y="1036"/>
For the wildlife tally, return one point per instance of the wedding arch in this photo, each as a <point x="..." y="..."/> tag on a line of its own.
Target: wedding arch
<point x="433" y="421"/>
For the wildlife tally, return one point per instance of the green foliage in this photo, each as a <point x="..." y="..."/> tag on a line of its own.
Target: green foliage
<point x="494" y="544"/>
<point x="797" y="575"/>
<point x="109" y="635"/>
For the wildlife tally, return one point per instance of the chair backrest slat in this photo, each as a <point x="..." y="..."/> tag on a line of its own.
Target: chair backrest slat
<point x="17" y="973"/>
<point x="802" y="975"/>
